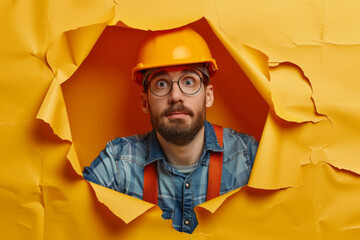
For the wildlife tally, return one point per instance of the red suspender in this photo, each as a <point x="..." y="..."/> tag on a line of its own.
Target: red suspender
<point x="215" y="168"/>
<point x="150" y="192"/>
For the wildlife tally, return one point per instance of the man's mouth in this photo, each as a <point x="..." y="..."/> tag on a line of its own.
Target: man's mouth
<point x="177" y="114"/>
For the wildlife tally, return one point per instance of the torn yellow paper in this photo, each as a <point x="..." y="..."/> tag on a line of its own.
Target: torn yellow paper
<point x="22" y="209"/>
<point x="311" y="211"/>
<point x="158" y="15"/>
<point x="51" y="68"/>
<point x="53" y="111"/>
<point x="125" y="207"/>
<point x="292" y="94"/>
<point x="277" y="163"/>
<point x="251" y="62"/>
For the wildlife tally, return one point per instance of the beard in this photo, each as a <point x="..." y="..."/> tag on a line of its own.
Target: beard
<point x="177" y="132"/>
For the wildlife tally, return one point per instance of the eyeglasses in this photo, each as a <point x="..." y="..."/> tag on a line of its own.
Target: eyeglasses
<point x="189" y="83"/>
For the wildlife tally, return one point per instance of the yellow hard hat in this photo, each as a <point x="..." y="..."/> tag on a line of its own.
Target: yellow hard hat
<point x="179" y="46"/>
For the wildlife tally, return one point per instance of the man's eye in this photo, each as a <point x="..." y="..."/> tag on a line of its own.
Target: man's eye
<point x="188" y="82"/>
<point x="162" y="84"/>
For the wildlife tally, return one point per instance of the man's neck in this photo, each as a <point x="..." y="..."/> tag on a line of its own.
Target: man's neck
<point x="183" y="155"/>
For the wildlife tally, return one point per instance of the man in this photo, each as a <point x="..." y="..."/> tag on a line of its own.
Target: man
<point x="185" y="160"/>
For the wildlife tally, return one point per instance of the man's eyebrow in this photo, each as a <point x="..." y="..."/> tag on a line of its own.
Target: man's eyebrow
<point x="159" y="74"/>
<point x="189" y="70"/>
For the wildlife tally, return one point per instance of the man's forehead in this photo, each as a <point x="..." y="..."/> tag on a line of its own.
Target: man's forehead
<point x="171" y="69"/>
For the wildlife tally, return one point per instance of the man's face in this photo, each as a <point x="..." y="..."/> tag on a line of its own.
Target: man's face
<point x="177" y="117"/>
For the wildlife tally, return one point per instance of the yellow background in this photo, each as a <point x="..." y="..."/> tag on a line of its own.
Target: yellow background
<point x="288" y="76"/>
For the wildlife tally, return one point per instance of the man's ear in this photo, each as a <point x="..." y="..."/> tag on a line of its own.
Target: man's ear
<point x="209" y="98"/>
<point x="144" y="102"/>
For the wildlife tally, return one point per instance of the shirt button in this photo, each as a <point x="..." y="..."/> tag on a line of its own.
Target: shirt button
<point x="187" y="185"/>
<point x="186" y="222"/>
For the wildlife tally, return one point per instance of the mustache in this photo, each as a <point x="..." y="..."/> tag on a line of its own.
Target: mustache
<point x="177" y="108"/>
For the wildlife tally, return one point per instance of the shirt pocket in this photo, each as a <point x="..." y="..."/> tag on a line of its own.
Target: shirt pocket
<point x="236" y="172"/>
<point x="168" y="213"/>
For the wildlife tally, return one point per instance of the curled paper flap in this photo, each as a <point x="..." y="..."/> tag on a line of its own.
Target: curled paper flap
<point x="64" y="56"/>
<point x="215" y="203"/>
<point x="125" y="207"/>
<point x="291" y="93"/>
<point x="74" y="160"/>
<point x="53" y="111"/>
<point x="250" y="61"/>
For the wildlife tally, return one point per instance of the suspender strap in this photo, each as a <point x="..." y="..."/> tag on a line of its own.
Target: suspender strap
<point x="215" y="168"/>
<point x="150" y="191"/>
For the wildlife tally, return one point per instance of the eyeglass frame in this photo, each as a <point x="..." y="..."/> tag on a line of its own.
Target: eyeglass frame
<point x="202" y="79"/>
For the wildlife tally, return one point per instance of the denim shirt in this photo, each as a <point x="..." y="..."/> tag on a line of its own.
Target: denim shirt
<point x="120" y="166"/>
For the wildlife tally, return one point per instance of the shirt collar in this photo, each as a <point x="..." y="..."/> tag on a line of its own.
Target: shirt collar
<point x="211" y="144"/>
<point x="155" y="152"/>
<point x="211" y="141"/>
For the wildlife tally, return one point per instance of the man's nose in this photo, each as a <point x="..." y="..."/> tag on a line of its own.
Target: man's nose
<point x="176" y="95"/>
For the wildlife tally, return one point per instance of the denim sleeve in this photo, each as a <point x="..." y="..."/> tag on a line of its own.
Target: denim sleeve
<point x="252" y="146"/>
<point x="102" y="170"/>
